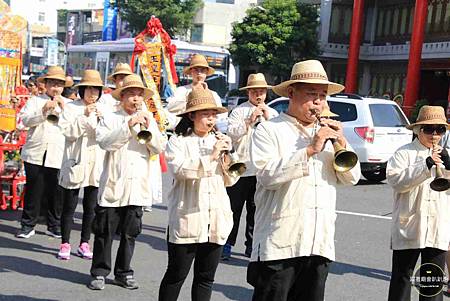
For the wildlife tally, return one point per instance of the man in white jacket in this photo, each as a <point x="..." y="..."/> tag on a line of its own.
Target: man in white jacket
<point x="125" y="182"/>
<point x="120" y="72"/>
<point x="42" y="154"/>
<point x="242" y="123"/>
<point x="421" y="211"/>
<point x="293" y="239"/>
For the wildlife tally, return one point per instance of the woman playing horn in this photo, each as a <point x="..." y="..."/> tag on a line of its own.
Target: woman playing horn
<point x="200" y="216"/>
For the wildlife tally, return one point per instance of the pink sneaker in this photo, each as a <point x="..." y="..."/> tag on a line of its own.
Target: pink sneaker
<point x="64" y="251"/>
<point x="85" y="251"/>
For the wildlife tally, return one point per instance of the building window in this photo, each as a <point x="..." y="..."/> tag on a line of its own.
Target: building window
<point x="197" y="33"/>
<point x="41" y="17"/>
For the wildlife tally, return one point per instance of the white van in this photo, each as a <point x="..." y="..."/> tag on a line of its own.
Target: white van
<point x="374" y="127"/>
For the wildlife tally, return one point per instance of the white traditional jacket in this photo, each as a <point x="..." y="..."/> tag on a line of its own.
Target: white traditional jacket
<point x="127" y="171"/>
<point x="43" y="137"/>
<point x="81" y="146"/>
<point x="241" y="133"/>
<point x="198" y="204"/>
<point x="295" y="196"/>
<point x="109" y="103"/>
<point x="421" y="216"/>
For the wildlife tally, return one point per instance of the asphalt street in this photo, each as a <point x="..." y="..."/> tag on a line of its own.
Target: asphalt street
<point x="29" y="269"/>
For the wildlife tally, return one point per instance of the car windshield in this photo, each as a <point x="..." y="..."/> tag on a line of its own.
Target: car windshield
<point x="280" y="106"/>
<point x="346" y="111"/>
<point x="387" y="115"/>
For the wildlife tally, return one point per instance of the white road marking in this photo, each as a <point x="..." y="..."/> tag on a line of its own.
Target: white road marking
<point x="363" y="214"/>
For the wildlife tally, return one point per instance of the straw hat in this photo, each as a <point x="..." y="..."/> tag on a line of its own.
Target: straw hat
<point x="256" y="80"/>
<point x="198" y="60"/>
<point x="327" y="112"/>
<point x="201" y="99"/>
<point x="69" y="82"/>
<point x="90" y="78"/>
<point x="430" y="115"/>
<point x="53" y="72"/>
<point x="121" y="68"/>
<point x="132" y="81"/>
<point x="310" y="72"/>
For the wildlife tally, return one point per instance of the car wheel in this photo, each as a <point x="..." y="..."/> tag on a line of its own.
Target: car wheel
<point x="375" y="176"/>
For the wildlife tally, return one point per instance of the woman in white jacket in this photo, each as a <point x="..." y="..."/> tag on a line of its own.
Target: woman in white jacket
<point x="421" y="215"/>
<point x="200" y="216"/>
<point x="82" y="161"/>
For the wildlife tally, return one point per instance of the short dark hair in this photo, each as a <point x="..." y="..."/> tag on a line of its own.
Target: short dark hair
<point x="185" y="127"/>
<point x="81" y="90"/>
<point x="68" y="91"/>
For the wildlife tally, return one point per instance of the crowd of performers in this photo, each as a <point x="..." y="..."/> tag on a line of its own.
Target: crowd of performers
<point x="82" y="139"/>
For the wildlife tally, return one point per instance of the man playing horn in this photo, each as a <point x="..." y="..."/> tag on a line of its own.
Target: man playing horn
<point x="42" y="154"/>
<point x="241" y="125"/>
<point x="125" y="184"/>
<point x="120" y="72"/>
<point x="293" y="239"/>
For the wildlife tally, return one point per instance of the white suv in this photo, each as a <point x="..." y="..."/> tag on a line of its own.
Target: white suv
<point x="374" y="127"/>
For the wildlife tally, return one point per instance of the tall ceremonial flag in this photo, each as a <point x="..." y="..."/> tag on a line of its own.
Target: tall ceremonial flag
<point x="155" y="51"/>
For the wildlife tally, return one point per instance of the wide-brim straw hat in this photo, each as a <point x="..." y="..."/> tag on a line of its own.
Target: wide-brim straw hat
<point x="309" y="72"/>
<point x="90" y="78"/>
<point x="121" y="68"/>
<point x="255" y="81"/>
<point x="69" y="82"/>
<point x="430" y="115"/>
<point x="53" y="72"/>
<point x="201" y="99"/>
<point x="198" y="60"/>
<point x="132" y="81"/>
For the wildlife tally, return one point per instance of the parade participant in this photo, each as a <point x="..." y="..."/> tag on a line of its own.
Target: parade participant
<point x="69" y="92"/>
<point x="200" y="217"/>
<point x="82" y="161"/>
<point x="198" y="69"/>
<point x="120" y="72"/>
<point x="420" y="218"/>
<point x="42" y="154"/>
<point x="293" y="240"/>
<point x="241" y="125"/>
<point x="125" y="182"/>
<point x="32" y="86"/>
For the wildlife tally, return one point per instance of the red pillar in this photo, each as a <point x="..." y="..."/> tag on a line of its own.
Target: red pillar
<point x="415" y="54"/>
<point x="351" y="78"/>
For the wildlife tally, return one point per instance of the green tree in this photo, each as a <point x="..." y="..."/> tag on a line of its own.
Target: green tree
<point x="176" y="15"/>
<point x="273" y="37"/>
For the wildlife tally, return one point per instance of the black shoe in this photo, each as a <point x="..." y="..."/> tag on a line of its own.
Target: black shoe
<point x="53" y="232"/>
<point x="248" y="252"/>
<point x="25" y="232"/>
<point x="127" y="282"/>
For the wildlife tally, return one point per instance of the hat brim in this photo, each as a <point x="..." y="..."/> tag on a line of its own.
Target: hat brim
<point x="204" y="107"/>
<point x="41" y="79"/>
<point x="187" y="69"/>
<point x="431" y="121"/>
<point x="91" y="84"/>
<point x="255" y="87"/>
<point x="111" y="77"/>
<point x="147" y="92"/>
<point x="333" y="88"/>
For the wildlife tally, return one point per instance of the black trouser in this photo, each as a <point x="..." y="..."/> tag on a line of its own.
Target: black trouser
<point x="42" y="184"/>
<point x="207" y="256"/>
<point x="70" y="204"/>
<point x="243" y="192"/>
<point x="299" y="278"/>
<point x="403" y="264"/>
<point x="106" y="221"/>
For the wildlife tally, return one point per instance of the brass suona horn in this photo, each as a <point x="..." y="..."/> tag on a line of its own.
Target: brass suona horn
<point x="439" y="183"/>
<point x="235" y="168"/>
<point x="344" y="160"/>
<point x="144" y="136"/>
<point x="53" y="115"/>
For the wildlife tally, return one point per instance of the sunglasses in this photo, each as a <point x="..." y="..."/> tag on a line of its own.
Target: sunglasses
<point x="431" y="129"/>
